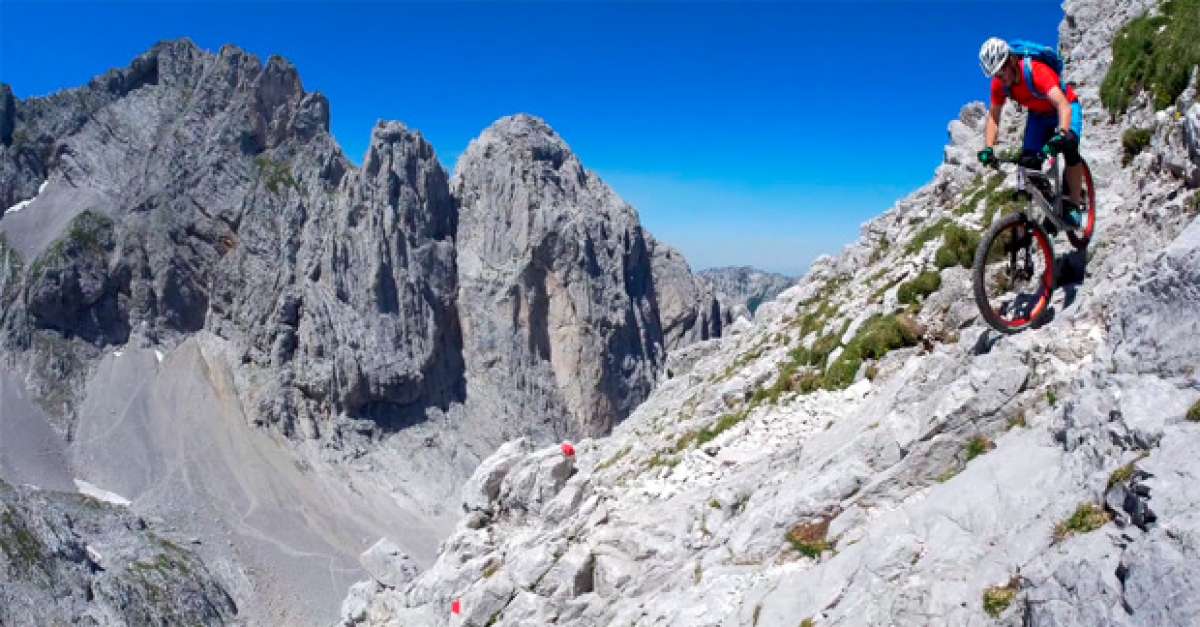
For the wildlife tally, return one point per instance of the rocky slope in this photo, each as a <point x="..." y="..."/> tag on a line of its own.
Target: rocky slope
<point x="206" y="308"/>
<point x="71" y="559"/>
<point x="745" y="285"/>
<point x="849" y="459"/>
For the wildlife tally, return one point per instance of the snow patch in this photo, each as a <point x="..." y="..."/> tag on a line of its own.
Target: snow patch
<point x="25" y="203"/>
<point x="118" y="353"/>
<point x="159" y="355"/>
<point x="88" y="489"/>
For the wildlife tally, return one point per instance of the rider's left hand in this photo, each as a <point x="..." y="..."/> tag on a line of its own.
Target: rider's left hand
<point x="1061" y="140"/>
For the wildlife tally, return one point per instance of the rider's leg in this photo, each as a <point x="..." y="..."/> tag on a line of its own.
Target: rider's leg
<point x="1038" y="129"/>
<point x="1074" y="168"/>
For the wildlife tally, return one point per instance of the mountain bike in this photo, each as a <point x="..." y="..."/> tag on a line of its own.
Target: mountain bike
<point x="1014" y="263"/>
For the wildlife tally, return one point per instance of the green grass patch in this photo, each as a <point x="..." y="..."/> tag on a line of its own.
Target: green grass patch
<point x="1000" y="201"/>
<point x="1087" y="517"/>
<point x="810" y="539"/>
<point x="1017" y="421"/>
<point x="981" y="189"/>
<point x="1193" y="414"/>
<point x="1051" y="397"/>
<point x="997" y="598"/>
<point x="958" y="248"/>
<point x="18" y="543"/>
<point x="1133" y="142"/>
<point x="876" y="338"/>
<point x="979" y="445"/>
<point x="926" y="283"/>
<point x="1154" y="54"/>
<point x="725" y="423"/>
<point x="926" y="235"/>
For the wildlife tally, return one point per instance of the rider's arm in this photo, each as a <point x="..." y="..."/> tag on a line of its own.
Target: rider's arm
<point x="993" y="125"/>
<point x="1059" y="99"/>
<point x="998" y="98"/>
<point x="1047" y="82"/>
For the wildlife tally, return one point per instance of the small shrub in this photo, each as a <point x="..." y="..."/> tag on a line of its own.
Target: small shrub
<point x="715" y="504"/>
<point x="997" y="598"/>
<point x="923" y="285"/>
<point x="1193" y="414"/>
<point x="810" y="539"/>
<point x="1087" y="517"/>
<point x="979" y="445"/>
<point x="1133" y="142"/>
<point x="958" y="248"/>
<point x="1051" y="397"/>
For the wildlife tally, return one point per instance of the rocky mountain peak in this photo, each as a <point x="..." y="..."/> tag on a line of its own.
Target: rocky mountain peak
<point x="189" y="257"/>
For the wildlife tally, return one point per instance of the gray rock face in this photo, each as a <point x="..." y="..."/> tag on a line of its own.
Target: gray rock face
<point x="745" y="285"/>
<point x="67" y="559"/>
<point x="690" y="309"/>
<point x="243" y="218"/>
<point x="567" y="310"/>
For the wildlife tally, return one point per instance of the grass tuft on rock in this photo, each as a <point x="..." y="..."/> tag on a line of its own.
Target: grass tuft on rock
<point x="916" y="290"/>
<point x="810" y="539"/>
<point x="1133" y="142"/>
<point x="979" y="445"/>
<point x="1087" y="517"/>
<point x="997" y="598"/>
<point x="926" y="235"/>
<point x="725" y="423"/>
<point x="1124" y="473"/>
<point x="877" y="337"/>
<point x="958" y="248"/>
<point x="1155" y="54"/>
<point x="1193" y="414"/>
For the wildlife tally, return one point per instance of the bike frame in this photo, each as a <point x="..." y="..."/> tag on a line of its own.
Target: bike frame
<point x="1040" y="204"/>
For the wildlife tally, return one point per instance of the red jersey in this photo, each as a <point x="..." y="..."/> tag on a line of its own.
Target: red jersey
<point x="1044" y="78"/>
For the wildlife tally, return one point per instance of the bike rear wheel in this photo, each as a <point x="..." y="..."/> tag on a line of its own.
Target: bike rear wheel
<point x="1013" y="273"/>
<point x="1080" y="239"/>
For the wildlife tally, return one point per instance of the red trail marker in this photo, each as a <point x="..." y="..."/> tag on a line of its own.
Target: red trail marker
<point x="568" y="450"/>
<point x="455" y="607"/>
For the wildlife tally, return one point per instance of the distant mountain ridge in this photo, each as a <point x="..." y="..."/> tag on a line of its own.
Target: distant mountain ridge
<point x="745" y="285"/>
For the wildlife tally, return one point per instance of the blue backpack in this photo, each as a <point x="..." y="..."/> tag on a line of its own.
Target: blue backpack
<point x="1029" y="52"/>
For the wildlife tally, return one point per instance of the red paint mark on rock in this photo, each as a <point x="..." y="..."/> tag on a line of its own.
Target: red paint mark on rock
<point x="456" y="607"/>
<point x="568" y="450"/>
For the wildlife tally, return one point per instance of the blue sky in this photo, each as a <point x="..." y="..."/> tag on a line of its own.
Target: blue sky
<point x="760" y="134"/>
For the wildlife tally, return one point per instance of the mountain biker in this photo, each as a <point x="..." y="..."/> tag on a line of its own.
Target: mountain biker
<point x="1055" y="117"/>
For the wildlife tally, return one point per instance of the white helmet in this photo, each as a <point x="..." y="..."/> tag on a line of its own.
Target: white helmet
<point x="992" y="56"/>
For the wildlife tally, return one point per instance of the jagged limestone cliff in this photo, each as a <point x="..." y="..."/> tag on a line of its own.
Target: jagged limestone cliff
<point x="206" y="308"/>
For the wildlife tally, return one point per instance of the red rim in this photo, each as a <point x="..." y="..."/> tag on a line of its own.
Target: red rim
<point x="1091" y="212"/>
<point x="1047" y="285"/>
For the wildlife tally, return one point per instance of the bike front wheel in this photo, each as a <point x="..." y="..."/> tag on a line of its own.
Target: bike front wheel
<point x="1013" y="273"/>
